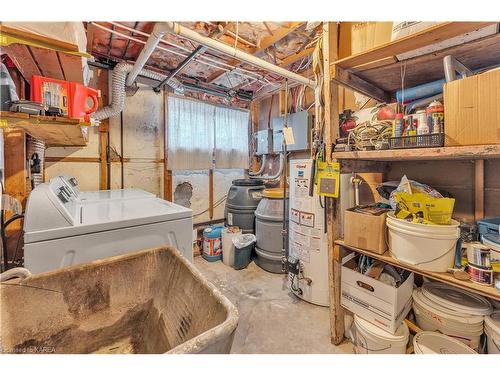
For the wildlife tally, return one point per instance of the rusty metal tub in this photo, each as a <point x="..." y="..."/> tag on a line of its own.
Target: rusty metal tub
<point x="152" y="301"/>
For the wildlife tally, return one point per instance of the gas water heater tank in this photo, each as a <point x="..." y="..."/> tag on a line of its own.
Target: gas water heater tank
<point x="307" y="237"/>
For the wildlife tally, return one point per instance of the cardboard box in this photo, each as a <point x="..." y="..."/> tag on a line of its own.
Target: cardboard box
<point x="472" y="110"/>
<point x="365" y="231"/>
<point x="377" y="302"/>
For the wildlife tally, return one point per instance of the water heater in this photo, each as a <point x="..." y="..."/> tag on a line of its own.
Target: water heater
<point x="308" y="250"/>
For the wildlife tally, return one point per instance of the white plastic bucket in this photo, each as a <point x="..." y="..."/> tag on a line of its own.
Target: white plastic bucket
<point x="436" y="343"/>
<point x="228" y="246"/>
<point x="430" y="318"/>
<point x="492" y="330"/>
<point x="370" y="339"/>
<point x="428" y="247"/>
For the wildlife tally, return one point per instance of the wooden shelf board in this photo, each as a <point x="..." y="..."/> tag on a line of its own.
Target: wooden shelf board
<point x="54" y="131"/>
<point x="442" y="153"/>
<point x="384" y="71"/>
<point x="431" y="35"/>
<point x="487" y="291"/>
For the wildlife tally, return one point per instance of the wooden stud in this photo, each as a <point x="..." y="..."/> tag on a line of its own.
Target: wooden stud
<point x="47" y="62"/>
<point x="479" y="189"/>
<point x="211" y="193"/>
<point x="334" y="281"/>
<point x="289" y="60"/>
<point x="71" y="159"/>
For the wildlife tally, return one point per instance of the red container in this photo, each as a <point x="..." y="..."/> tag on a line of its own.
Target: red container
<point x="75" y="100"/>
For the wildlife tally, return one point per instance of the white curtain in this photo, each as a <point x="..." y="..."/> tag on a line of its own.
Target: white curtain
<point x="231" y="138"/>
<point x="190" y="134"/>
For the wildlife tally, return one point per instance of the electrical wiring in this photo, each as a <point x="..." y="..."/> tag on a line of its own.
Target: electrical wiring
<point x="216" y="204"/>
<point x="370" y="134"/>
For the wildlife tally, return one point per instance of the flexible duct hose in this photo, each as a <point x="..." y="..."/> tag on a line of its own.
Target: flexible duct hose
<point x="262" y="167"/>
<point x="18" y="272"/>
<point x="277" y="175"/>
<point x="118" y="79"/>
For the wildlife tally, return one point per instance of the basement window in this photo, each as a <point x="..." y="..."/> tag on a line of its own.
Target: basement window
<point x="205" y="136"/>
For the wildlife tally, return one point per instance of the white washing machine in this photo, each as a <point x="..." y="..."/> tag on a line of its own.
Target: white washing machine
<point x="72" y="184"/>
<point x="61" y="230"/>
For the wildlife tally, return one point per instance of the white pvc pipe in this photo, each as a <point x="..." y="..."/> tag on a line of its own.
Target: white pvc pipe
<point x="180" y="30"/>
<point x="161" y="28"/>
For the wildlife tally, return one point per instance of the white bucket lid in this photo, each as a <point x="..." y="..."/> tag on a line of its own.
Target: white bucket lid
<point x="492" y="324"/>
<point x="451" y="315"/>
<point x="457" y="299"/>
<point x="401" y="335"/>
<point x="426" y="342"/>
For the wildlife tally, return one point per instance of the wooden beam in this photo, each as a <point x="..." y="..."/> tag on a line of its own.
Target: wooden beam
<point x="336" y="310"/>
<point x="431" y="35"/>
<point x="279" y="34"/>
<point x="264" y="44"/>
<point x="478" y="189"/>
<point x="296" y="56"/>
<point x="345" y="78"/>
<point x="23" y="60"/>
<point x="39" y="38"/>
<point x="90" y="36"/>
<point x="71" y="159"/>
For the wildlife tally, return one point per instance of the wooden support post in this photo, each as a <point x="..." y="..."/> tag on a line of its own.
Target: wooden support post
<point x="330" y="92"/>
<point x="479" y="189"/>
<point x="103" y="152"/>
<point x="167" y="174"/>
<point x="211" y="193"/>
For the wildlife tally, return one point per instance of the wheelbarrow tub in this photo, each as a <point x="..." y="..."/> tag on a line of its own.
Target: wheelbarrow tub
<point x="151" y="301"/>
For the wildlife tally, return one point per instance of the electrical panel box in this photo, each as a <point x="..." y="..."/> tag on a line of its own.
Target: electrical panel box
<point x="264" y="142"/>
<point x="300" y="123"/>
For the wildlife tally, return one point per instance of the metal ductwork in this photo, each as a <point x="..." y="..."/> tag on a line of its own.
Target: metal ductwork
<point x="118" y="80"/>
<point x="275" y="176"/>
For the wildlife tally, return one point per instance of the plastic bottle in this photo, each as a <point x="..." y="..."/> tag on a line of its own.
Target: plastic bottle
<point x="398" y="125"/>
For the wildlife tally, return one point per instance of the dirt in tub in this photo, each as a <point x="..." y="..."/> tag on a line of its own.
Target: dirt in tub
<point x="139" y="330"/>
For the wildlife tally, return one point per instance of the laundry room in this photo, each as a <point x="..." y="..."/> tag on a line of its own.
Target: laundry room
<point x="179" y="185"/>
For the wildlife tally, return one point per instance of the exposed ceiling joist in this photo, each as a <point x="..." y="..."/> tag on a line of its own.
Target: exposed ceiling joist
<point x="296" y="56"/>
<point x="264" y="43"/>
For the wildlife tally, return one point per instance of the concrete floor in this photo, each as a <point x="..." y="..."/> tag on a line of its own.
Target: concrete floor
<point x="272" y="320"/>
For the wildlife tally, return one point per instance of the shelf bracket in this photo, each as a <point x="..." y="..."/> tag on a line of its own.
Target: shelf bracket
<point x="352" y="81"/>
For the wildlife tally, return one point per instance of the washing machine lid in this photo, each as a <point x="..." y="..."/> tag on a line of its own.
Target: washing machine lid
<point x="108" y="215"/>
<point x="116" y="194"/>
<point x="457" y="299"/>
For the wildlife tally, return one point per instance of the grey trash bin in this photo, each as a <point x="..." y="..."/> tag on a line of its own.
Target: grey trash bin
<point x="243" y="247"/>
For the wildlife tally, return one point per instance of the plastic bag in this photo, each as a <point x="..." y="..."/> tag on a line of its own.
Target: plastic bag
<point x="422" y="208"/>
<point x="409" y="186"/>
<point x="8" y="91"/>
<point x="243" y="240"/>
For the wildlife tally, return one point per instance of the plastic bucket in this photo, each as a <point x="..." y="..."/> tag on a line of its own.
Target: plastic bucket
<point x="227" y="245"/>
<point x="370" y="339"/>
<point x="431" y="316"/>
<point x="212" y="245"/>
<point x="428" y="247"/>
<point x="436" y="343"/>
<point x="492" y="330"/>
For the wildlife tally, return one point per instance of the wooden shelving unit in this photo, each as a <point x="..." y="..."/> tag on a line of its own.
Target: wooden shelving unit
<point x="437" y="153"/>
<point x="54" y="131"/>
<point x="487" y="291"/>
<point x="377" y="71"/>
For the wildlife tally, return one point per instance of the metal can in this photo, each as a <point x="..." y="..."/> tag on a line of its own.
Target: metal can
<point x="435" y="117"/>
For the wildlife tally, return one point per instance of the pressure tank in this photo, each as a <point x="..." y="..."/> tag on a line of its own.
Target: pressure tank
<point x="242" y="200"/>
<point x="268" y="230"/>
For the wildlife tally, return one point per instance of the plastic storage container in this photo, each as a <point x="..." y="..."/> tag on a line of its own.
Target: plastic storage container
<point x="242" y="200"/>
<point x="456" y="313"/>
<point x="243" y="246"/>
<point x="489" y="226"/>
<point x="493" y="242"/>
<point x="370" y="339"/>
<point x="212" y="244"/>
<point x="268" y="229"/>
<point x="492" y="330"/>
<point x="436" y="343"/>
<point x="428" y="247"/>
<point x="151" y="301"/>
<point x="228" y="234"/>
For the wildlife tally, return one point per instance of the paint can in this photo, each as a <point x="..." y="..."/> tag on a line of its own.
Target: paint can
<point x="212" y="244"/>
<point x="435" y="117"/>
<point x="478" y="254"/>
<point x="480" y="275"/>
